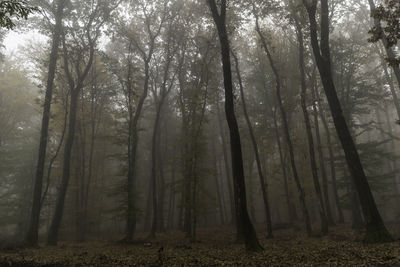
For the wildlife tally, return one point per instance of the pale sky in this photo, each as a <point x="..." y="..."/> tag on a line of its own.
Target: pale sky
<point x="14" y="40"/>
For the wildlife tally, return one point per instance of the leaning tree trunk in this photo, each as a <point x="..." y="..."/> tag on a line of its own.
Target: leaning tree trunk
<point x="244" y="225"/>
<point x="31" y="237"/>
<point x="264" y="185"/>
<point x="376" y="230"/>
<point x="306" y="216"/>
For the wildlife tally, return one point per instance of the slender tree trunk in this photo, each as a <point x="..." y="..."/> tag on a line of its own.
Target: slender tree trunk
<point x="264" y="185"/>
<point x="131" y="212"/>
<point x="31" y="237"/>
<point x="286" y="131"/>
<point x="313" y="162"/>
<point x="376" y="230"/>
<point x="227" y="168"/>
<point x="244" y="225"/>
<point x="290" y="208"/>
<point x="250" y="190"/>
<point x="161" y="182"/>
<point x="331" y="156"/>
<point x="154" y="171"/>
<point x="52" y="237"/>
<point x="322" y="162"/>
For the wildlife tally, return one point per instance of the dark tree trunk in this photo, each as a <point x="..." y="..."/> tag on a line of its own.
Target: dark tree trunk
<point x="286" y="131"/>
<point x="376" y="230"/>
<point x="331" y="157"/>
<point x="131" y="212"/>
<point x="75" y="90"/>
<point x="244" y="225"/>
<point x="263" y="183"/>
<point x="31" y="237"/>
<point x="250" y="190"/>
<point x="322" y="161"/>
<point x="291" y="210"/>
<point x="313" y="162"/>
<point x="172" y="195"/>
<point x="218" y="188"/>
<point x="155" y="222"/>
<point x="55" y="224"/>
<point x="227" y="169"/>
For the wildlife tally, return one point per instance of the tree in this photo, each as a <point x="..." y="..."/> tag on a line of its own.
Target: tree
<point x="244" y="225"/>
<point x="160" y="96"/>
<point x="307" y="122"/>
<point x="264" y="186"/>
<point x="80" y="56"/>
<point x="14" y="9"/>
<point x="145" y="47"/>
<point x="32" y="235"/>
<point x="389" y="13"/>
<point x="284" y="123"/>
<point x="376" y="230"/>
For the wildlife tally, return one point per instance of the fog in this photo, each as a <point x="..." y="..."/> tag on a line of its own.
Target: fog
<point x="175" y="125"/>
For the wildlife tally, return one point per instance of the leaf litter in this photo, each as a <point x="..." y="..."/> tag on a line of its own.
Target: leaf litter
<point x="216" y="247"/>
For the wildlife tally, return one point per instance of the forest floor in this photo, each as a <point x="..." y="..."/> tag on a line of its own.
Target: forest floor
<point x="289" y="247"/>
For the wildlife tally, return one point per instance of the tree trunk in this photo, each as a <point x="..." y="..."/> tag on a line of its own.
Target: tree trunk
<point x="154" y="171"/>
<point x="286" y="131"/>
<point x="313" y="162"/>
<point x="264" y="184"/>
<point x="52" y="237"/>
<point x="31" y="237"/>
<point x="218" y="188"/>
<point x="331" y="156"/>
<point x="290" y="208"/>
<point x="227" y="168"/>
<point x="376" y="230"/>
<point x="244" y="226"/>
<point x="131" y="212"/>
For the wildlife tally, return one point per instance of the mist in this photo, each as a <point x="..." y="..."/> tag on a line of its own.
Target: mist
<point x="199" y="133"/>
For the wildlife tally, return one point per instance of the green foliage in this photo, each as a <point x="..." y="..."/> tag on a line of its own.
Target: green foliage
<point x="14" y="9"/>
<point x="389" y="13"/>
